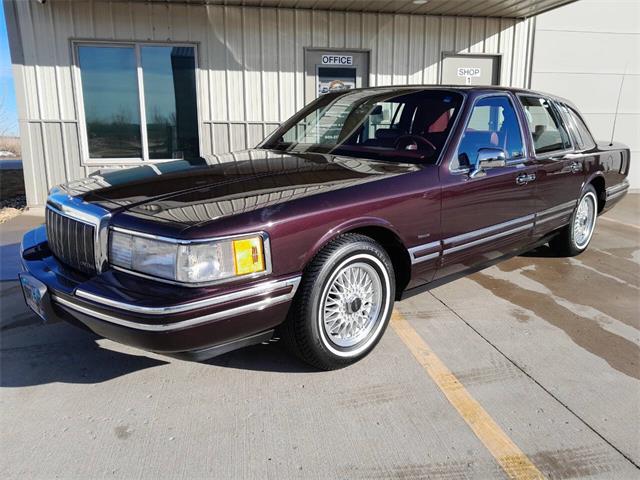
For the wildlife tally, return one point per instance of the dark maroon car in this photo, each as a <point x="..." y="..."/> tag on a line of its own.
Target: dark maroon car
<point x="362" y="198"/>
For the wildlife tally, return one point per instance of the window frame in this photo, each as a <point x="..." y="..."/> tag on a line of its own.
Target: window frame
<point x="85" y="157"/>
<point x="567" y="112"/>
<point x="510" y="162"/>
<point x="554" y="153"/>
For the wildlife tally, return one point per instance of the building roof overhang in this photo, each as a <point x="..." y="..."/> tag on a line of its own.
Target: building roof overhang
<point x="473" y="8"/>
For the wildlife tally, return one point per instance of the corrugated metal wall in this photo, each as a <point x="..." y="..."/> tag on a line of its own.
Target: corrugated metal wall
<point x="251" y="65"/>
<point x="577" y="54"/>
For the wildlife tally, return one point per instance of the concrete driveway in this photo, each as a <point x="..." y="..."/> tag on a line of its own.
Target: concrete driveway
<point x="529" y="368"/>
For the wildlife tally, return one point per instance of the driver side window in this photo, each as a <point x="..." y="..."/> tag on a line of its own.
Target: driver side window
<point x="493" y="124"/>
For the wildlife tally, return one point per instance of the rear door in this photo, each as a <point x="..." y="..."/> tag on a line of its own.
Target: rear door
<point x="560" y="171"/>
<point x="485" y="217"/>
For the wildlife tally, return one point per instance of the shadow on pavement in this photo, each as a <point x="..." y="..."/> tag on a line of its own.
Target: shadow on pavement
<point x="70" y="356"/>
<point x="266" y="357"/>
<point x="543" y="251"/>
<point x="35" y="354"/>
<point x="9" y="261"/>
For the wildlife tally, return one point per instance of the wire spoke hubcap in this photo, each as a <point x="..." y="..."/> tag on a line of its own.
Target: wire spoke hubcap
<point x="352" y="304"/>
<point x="584" y="221"/>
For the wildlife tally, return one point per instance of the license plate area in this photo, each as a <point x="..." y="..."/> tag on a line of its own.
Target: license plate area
<point x="35" y="295"/>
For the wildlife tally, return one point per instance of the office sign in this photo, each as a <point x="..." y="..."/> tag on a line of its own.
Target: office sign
<point x="337" y="60"/>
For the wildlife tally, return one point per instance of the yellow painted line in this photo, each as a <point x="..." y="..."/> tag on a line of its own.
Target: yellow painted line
<point x="612" y="220"/>
<point x="512" y="460"/>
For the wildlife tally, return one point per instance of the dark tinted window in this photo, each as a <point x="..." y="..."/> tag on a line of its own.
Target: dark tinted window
<point x="493" y="124"/>
<point x="548" y="132"/>
<point x="111" y="106"/>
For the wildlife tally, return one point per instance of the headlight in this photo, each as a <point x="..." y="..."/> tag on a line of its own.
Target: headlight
<point x="195" y="262"/>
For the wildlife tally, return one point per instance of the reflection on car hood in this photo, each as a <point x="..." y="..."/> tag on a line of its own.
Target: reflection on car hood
<point x="195" y="191"/>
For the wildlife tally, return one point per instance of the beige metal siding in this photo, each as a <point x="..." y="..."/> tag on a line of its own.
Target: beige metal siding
<point x="250" y="75"/>
<point x="582" y="52"/>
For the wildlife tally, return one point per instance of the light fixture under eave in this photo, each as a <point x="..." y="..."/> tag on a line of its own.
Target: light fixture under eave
<point x="420" y="2"/>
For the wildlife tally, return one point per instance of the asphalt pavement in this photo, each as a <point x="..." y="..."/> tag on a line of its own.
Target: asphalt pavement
<point x="528" y="369"/>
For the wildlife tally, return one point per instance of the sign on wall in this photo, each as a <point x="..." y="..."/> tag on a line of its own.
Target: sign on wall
<point x="470" y="69"/>
<point x="469" y="72"/>
<point x="337" y="60"/>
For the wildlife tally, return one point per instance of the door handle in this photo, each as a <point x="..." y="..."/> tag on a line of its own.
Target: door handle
<point x="576" y="167"/>
<point x="525" y="178"/>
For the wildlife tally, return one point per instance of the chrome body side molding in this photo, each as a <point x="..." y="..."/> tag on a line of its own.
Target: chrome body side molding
<point x="471" y="236"/>
<point x="479" y="241"/>
<point x="618" y="190"/>
<point x="421" y="253"/>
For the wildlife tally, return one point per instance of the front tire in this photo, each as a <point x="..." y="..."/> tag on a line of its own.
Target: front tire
<point x="574" y="238"/>
<point x="343" y="304"/>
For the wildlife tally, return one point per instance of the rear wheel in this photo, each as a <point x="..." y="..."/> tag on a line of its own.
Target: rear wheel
<point x="574" y="238"/>
<point x="343" y="304"/>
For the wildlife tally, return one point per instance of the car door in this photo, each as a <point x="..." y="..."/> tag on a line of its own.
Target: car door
<point x="560" y="170"/>
<point x="490" y="213"/>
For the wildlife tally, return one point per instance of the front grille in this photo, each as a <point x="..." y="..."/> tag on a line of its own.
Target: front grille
<point x="71" y="241"/>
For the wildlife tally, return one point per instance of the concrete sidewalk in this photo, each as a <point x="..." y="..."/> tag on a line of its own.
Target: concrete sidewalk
<point x="11" y="233"/>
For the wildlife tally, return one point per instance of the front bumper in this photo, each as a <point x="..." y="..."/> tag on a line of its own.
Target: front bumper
<point x="179" y="321"/>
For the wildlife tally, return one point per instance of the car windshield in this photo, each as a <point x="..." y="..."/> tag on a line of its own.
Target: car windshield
<point x="410" y="125"/>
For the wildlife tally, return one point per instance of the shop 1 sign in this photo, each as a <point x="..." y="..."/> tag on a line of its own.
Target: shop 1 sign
<point x="469" y="73"/>
<point x="337" y="60"/>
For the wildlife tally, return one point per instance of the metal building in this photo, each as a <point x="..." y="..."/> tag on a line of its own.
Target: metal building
<point x="104" y="84"/>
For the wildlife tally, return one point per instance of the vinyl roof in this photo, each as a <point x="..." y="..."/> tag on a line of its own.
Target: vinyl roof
<point x="474" y="8"/>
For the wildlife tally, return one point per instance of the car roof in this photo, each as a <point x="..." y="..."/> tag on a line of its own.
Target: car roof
<point x="478" y="89"/>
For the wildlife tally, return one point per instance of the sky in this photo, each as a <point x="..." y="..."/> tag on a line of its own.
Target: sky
<point x="7" y="91"/>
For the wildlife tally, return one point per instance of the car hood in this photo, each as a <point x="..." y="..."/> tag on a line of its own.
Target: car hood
<point x="190" y="192"/>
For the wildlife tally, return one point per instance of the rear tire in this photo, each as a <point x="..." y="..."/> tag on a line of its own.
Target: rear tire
<point x="574" y="238"/>
<point x="343" y="304"/>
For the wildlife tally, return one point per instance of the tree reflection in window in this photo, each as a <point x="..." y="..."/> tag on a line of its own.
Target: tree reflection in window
<point x="109" y="79"/>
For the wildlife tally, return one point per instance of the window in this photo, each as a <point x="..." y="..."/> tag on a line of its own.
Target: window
<point x="376" y="124"/>
<point x="493" y="124"/>
<point x="548" y="132"/>
<point x="138" y="101"/>
<point x="579" y="130"/>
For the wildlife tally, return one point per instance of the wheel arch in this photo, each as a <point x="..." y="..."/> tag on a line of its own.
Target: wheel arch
<point x="598" y="182"/>
<point x="382" y="232"/>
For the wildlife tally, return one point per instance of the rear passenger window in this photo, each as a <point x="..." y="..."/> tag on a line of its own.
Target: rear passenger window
<point x="493" y="124"/>
<point x="548" y="132"/>
<point x="581" y="134"/>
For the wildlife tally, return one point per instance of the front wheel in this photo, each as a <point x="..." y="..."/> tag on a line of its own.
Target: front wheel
<point x="343" y="304"/>
<point x="575" y="237"/>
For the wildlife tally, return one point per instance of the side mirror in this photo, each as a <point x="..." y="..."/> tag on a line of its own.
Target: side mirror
<point x="489" y="158"/>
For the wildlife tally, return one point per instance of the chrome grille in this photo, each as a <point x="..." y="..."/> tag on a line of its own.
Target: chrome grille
<point x="71" y="241"/>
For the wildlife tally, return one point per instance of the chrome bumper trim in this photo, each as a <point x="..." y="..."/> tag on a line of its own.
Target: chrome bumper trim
<point x="242" y="309"/>
<point x="260" y="289"/>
